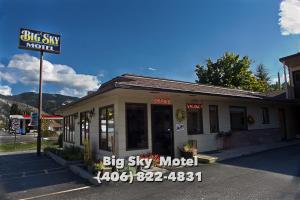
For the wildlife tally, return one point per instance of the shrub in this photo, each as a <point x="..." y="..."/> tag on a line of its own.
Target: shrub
<point x="68" y="153"/>
<point x="48" y="133"/>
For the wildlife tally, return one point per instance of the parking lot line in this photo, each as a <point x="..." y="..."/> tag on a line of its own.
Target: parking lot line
<point x="33" y="171"/>
<point x="56" y="193"/>
<point x="41" y="174"/>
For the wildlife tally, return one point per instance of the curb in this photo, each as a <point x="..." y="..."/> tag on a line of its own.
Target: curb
<point x="255" y="151"/>
<point x="76" y="169"/>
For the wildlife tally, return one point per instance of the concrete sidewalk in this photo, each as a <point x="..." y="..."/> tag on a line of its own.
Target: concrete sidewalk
<point x="243" y="151"/>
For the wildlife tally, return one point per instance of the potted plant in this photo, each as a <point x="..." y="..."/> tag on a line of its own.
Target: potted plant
<point x="224" y="138"/>
<point x="188" y="151"/>
<point x="99" y="166"/>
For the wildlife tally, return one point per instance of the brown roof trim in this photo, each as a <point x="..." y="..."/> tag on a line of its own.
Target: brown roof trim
<point x="121" y="86"/>
<point x="283" y="59"/>
<point x="197" y="84"/>
<point x="123" y="82"/>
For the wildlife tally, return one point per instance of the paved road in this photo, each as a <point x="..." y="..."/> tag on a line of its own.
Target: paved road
<point x="6" y="138"/>
<point x="269" y="175"/>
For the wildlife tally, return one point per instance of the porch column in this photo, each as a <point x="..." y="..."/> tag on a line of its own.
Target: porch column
<point x="285" y="81"/>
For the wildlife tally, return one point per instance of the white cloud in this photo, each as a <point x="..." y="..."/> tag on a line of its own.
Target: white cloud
<point x="289" y="20"/>
<point x="275" y="80"/>
<point x="151" y="69"/>
<point x="24" y="68"/>
<point x="8" y="77"/>
<point x="1" y="65"/>
<point x="5" y="90"/>
<point x="72" y="92"/>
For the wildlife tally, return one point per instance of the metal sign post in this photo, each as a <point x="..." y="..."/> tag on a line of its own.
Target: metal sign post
<point x="39" y="136"/>
<point x="42" y="42"/>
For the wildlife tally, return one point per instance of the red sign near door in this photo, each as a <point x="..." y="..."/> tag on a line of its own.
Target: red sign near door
<point x="193" y="106"/>
<point x="161" y="101"/>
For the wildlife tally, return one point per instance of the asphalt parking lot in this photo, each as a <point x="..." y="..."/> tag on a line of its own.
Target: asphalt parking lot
<point x="272" y="175"/>
<point x="27" y="175"/>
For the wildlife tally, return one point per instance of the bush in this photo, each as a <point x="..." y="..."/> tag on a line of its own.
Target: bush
<point x="48" y="133"/>
<point x="68" y="153"/>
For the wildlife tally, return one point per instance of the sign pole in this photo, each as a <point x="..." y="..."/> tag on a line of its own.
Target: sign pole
<point x="42" y="42"/>
<point x="40" y="106"/>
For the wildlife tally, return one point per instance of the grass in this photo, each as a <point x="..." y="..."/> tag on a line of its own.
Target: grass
<point x="25" y="146"/>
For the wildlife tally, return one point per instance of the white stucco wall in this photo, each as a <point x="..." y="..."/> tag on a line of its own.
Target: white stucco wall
<point x="206" y="141"/>
<point x="93" y="103"/>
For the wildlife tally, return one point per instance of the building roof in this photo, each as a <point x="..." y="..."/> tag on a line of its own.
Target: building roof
<point x="26" y="116"/>
<point x="132" y="81"/>
<point x="291" y="60"/>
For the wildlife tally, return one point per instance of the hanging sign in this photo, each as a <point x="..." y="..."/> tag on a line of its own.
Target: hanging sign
<point x="39" y="41"/>
<point x="193" y="106"/>
<point x="34" y="119"/>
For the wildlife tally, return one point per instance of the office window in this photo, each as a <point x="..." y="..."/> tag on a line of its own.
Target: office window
<point x="265" y="115"/>
<point x="136" y="126"/>
<point x="72" y="129"/>
<point x="84" y="126"/>
<point x="65" y="129"/>
<point x="106" y="126"/>
<point x="194" y="120"/>
<point x="69" y="128"/>
<point x="238" y="118"/>
<point x="213" y="118"/>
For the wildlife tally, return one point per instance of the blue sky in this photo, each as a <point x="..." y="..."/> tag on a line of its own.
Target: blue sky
<point x="103" y="39"/>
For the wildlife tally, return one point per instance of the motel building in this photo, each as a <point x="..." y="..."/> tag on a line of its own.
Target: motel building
<point x="133" y="115"/>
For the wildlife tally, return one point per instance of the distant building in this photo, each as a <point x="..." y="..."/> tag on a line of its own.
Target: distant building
<point x="21" y="123"/>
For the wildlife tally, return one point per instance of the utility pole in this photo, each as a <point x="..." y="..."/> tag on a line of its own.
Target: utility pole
<point x="279" y="84"/>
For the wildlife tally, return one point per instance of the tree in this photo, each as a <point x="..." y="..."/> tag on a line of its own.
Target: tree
<point x="262" y="73"/>
<point x="14" y="110"/>
<point x="263" y="77"/>
<point x="228" y="71"/>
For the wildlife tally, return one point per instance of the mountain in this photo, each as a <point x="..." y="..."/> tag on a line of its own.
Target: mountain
<point x="5" y="105"/>
<point x="51" y="102"/>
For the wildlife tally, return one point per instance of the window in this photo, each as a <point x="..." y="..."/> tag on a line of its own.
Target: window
<point x="65" y="129"/>
<point x="213" y="118"/>
<point x="238" y="118"/>
<point x="194" y="120"/>
<point x="106" y="126"/>
<point x="69" y="128"/>
<point x="72" y="128"/>
<point x="136" y="126"/>
<point x="84" y="126"/>
<point x="265" y="115"/>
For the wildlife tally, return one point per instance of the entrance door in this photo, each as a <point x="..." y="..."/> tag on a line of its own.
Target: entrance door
<point x="282" y="122"/>
<point x="162" y="130"/>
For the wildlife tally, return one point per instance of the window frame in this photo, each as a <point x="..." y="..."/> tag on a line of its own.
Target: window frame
<point x="100" y="129"/>
<point x="85" y="130"/>
<point x="187" y="121"/>
<point x="265" y="121"/>
<point x="69" y="128"/>
<point x="245" y="115"/>
<point x="218" y="122"/>
<point x="145" y="105"/>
